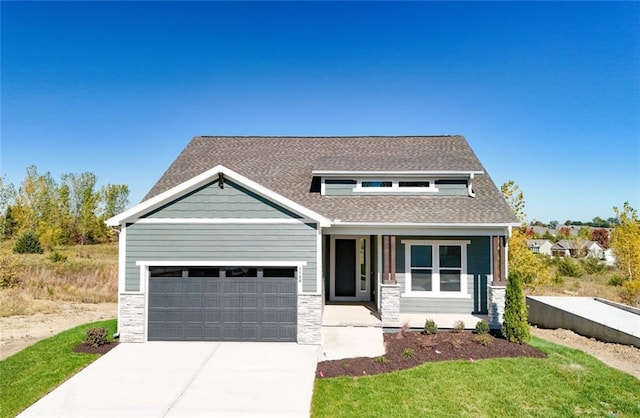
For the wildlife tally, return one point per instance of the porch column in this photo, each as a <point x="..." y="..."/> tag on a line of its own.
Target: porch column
<point x="389" y="288"/>
<point x="497" y="287"/>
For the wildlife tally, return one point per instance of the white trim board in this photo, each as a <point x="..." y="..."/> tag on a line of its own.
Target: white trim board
<point x="216" y="221"/>
<point x="219" y="263"/>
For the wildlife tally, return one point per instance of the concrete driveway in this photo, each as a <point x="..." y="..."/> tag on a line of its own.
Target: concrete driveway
<point x="189" y="379"/>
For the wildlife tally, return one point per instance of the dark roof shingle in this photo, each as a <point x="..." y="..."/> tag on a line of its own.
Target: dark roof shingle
<point x="285" y="165"/>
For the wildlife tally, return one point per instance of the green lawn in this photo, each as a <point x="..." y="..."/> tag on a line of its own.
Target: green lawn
<point x="33" y="372"/>
<point x="568" y="383"/>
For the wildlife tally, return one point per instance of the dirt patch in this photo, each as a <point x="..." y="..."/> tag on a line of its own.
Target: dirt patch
<point x="621" y="357"/>
<point x="20" y="331"/>
<point x="410" y="349"/>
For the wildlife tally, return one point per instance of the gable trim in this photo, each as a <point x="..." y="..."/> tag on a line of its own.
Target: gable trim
<point x="132" y="215"/>
<point x="218" y="221"/>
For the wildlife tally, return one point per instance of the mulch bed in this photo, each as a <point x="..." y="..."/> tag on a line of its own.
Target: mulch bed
<point x="89" y="349"/>
<point x="409" y="349"/>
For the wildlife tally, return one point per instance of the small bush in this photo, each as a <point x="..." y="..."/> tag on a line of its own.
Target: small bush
<point x="56" y="257"/>
<point x="408" y="353"/>
<point x="381" y="360"/>
<point x="482" y="328"/>
<point x="592" y="265"/>
<point x="96" y="337"/>
<point x="28" y="243"/>
<point x="483" y="339"/>
<point x="616" y="280"/>
<point x="458" y="326"/>
<point x="8" y="271"/>
<point x="568" y="267"/>
<point x="630" y="293"/>
<point x="430" y="327"/>
<point x="515" y="327"/>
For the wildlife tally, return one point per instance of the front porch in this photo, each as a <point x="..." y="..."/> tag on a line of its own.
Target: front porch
<point x="365" y="315"/>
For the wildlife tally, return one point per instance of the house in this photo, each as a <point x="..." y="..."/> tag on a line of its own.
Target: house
<point x="540" y="246"/>
<point x="591" y="249"/>
<point x="564" y="248"/>
<point x="248" y="238"/>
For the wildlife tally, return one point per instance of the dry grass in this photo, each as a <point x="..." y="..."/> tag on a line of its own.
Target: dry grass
<point x="89" y="275"/>
<point x="590" y="285"/>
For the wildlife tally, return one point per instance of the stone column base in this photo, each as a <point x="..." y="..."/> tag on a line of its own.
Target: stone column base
<point x="309" y="319"/>
<point x="390" y="304"/>
<point x="496" y="296"/>
<point x="131" y="319"/>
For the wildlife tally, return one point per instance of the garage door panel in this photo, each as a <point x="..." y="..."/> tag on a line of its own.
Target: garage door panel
<point x="222" y="309"/>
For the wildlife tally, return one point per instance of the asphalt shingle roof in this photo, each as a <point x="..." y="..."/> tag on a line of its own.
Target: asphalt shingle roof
<point x="285" y="165"/>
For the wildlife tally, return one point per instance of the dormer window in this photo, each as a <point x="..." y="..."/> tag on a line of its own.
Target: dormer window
<point x="395" y="186"/>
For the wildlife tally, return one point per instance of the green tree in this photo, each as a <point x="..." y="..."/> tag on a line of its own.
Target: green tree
<point x="7" y="196"/>
<point x="584" y="233"/>
<point x="515" y="326"/>
<point x="83" y="201"/>
<point x="515" y="198"/>
<point x="529" y="267"/>
<point x="625" y="241"/>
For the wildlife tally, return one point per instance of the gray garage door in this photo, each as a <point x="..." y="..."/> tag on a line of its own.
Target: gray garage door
<point x="222" y="304"/>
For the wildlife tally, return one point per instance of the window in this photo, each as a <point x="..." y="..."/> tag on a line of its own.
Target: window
<point x="395" y="186"/>
<point x="376" y="184"/>
<point x="435" y="268"/>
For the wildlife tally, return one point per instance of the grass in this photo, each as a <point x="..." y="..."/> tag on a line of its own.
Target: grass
<point x="89" y="275"/>
<point x="35" y="371"/>
<point x="569" y="383"/>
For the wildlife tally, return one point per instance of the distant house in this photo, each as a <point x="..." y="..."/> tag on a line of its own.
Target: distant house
<point x="591" y="249"/>
<point x="609" y="258"/>
<point x="540" y="246"/>
<point x="564" y="248"/>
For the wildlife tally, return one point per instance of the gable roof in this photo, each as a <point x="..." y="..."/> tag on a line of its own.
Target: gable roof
<point x="285" y="166"/>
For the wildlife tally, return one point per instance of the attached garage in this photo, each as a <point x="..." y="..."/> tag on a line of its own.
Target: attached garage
<point x="227" y="303"/>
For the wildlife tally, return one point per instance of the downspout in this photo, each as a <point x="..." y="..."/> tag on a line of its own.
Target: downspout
<point x="116" y="335"/>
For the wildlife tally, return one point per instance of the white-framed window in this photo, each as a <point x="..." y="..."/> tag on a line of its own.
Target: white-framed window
<point x="436" y="268"/>
<point x="395" y="185"/>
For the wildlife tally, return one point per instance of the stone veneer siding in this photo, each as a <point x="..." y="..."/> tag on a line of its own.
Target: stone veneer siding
<point x="496" y="296"/>
<point x="390" y="304"/>
<point x="309" y="319"/>
<point x="131" y="319"/>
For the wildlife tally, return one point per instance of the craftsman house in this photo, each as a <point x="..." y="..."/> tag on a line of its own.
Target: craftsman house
<point x="248" y="238"/>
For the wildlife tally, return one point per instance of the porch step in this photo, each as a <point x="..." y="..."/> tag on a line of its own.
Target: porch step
<point x="350" y="316"/>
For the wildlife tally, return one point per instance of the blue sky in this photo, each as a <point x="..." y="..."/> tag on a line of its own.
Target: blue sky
<point x="547" y="94"/>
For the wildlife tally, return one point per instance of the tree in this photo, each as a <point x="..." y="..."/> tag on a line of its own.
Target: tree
<point x="553" y="225"/>
<point x="584" y="233"/>
<point x="625" y="241"/>
<point x="515" y="198"/>
<point x="528" y="266"/>
<point x="7" y="195"/>
<point x="601" y="236"/>
<point x="564" y="232"/>
<point x="515" y="326"/>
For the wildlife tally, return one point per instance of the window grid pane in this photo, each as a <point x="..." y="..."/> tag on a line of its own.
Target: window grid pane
<point x="376" y="184"/>
<point x="450" y="256"/>
<point x="421" y="280"/>
<point x="450" y="280"/>
<point x="421" y="256"/>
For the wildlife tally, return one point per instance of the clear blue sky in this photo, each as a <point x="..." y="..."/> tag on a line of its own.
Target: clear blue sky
<point x="547" y="94"/>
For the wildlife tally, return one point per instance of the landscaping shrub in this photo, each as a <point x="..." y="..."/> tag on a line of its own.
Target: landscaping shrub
<point x="430" y="327"/>
<point x="381" y="360"/>
<point x="96" y="337"/>
<point x="483" y="339"/>
<point x="28" y="243"/>
<point x="482" y="328"/>
<point x="515" y="327"/>
<point x="592" y="265"/>
<point x="408" y="353"/>
<point x="458" y="326"/>
<point x="568" y="267"/>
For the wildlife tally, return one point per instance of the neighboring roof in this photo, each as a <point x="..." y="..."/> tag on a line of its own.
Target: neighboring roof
<point x="284" y="165"/>
<point x="564" y="244"/>
<point x="537" y="242"/>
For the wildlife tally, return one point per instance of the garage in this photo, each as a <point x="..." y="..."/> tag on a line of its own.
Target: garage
<point x="230" y="303"/>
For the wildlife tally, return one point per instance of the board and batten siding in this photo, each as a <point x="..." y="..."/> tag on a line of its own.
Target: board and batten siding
<point x="231" y="201"/>
<point x="206" y="242"/>
<point x="478" y="270"/>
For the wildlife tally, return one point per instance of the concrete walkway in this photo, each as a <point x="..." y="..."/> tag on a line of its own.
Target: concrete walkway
<point x="189" y="379"/>
<point x="587" y="316"/>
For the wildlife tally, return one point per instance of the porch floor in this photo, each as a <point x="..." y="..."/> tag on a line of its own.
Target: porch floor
<point x="351" y="315"/>
<point x="366" y="315"/>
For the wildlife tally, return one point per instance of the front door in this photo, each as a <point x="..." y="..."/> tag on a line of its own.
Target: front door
<point x="350" y="269"/>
